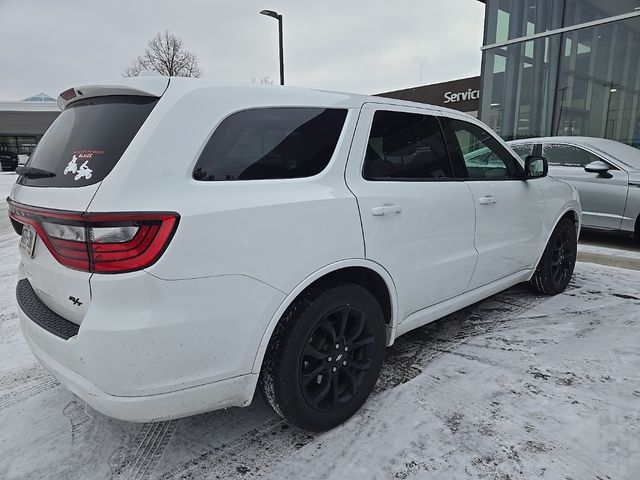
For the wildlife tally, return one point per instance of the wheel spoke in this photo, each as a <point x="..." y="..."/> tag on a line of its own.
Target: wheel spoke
<point x="320" y="395"/>
<point x="335" y="387"/>
<point x="362" y="341"/>
<point x="344" y="318"/>
<point x="359" y="364"/>
<point x="353" y="383"/>
<point x="311" y="351"/>
<point x="327" y="327"/>
<point x="359" y="327"/>
<point x="308" y="377"/>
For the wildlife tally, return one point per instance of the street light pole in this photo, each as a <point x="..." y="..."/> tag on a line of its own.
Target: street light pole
<point x="277" y="16"/>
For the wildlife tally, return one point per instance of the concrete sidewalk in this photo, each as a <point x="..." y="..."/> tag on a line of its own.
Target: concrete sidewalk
<point x="613" y="253"/>
<point x="611" y="260"/>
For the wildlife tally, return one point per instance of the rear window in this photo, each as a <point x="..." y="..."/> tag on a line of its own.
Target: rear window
<point x="271" y="143"/>
<point x="87" y="139"/>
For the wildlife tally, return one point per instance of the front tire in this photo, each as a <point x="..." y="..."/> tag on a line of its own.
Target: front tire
<point x="558" y="260"/>
<point x="325" y="356"/>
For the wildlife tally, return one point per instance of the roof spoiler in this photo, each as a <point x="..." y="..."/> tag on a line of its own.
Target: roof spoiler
<point x="148" y="86"/>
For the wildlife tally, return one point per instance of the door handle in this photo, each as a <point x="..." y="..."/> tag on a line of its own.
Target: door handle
<point x="386" y="210"/>
<point x="488" y="200"/>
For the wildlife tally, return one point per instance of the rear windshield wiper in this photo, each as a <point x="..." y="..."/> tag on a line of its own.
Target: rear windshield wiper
<point x="33" y="172"/>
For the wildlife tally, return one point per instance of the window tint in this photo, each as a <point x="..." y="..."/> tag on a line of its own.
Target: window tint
<point x="482" y="155"/>
<point x="568" y="156"/>
<point x="87" y="139"/>
<point x="523" y="149"/>
<point x="271" y="143"/>
<point x="406" y="146"/>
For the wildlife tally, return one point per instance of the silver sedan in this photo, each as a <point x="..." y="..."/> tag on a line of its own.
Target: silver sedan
<point x="606" y="174"/>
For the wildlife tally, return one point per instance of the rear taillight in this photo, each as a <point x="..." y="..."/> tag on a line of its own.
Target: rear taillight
<point x="100" y="242"/>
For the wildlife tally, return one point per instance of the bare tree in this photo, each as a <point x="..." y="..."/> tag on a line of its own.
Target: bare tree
<point x="166" y="55"/>
<point x="263" y="79"/>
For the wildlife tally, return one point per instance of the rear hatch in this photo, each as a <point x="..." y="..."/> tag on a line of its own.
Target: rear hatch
<point x="55" y="188"/>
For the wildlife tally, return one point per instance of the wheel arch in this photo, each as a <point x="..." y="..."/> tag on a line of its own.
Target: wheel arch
<point x="366" y="273"/>
<point x="570" y="212"/>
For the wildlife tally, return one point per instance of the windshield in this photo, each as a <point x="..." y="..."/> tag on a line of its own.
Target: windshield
<point x="87" y="139"/>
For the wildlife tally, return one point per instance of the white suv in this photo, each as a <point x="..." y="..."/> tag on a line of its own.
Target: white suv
<point x="184" y="242"/>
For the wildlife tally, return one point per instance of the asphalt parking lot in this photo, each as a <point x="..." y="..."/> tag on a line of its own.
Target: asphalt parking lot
<point x="517" y="386"/>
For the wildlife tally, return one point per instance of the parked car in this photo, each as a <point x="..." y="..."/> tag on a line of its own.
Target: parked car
<point x="8" y="159"/>
<point x="23" y="159"/>
<point x="202" y="240"/>
<point x="606" y="174"/>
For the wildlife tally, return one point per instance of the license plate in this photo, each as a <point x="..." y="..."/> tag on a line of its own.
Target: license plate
<point x="28" y="240"/>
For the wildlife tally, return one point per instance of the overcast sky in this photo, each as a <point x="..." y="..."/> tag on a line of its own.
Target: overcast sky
<point x="360" y="46"/>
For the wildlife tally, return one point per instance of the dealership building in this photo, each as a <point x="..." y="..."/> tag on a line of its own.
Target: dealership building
<point x="562" y="67"/>
<point x="462" y="95"/>
<point x="22" y="123"/>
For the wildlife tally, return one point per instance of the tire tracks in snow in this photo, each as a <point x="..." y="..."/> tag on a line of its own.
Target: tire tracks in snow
<point x="413" y="352"/>
<point x="148" y="448"/>
<point x="24" y="383"/>
<point x="250" y="456"/>
<point x="253" y="453"/>
<point x="8" y="327"/>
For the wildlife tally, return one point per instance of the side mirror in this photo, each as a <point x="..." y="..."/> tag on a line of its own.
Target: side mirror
<point x="536" y="166"/>
<point x="599" y="167"/>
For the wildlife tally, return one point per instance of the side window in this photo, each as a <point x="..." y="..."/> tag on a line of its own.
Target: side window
<point x="481" y="155"/>
<point x="568" y="156"/>
<point x="406" y="146"/>
<point x="270" y="143"/>
<point x="522" y="149"/>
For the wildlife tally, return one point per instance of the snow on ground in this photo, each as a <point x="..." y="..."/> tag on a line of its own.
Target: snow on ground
<point x="517" y="386"/>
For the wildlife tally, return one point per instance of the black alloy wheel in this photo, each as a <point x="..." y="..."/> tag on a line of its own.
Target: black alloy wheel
<point x="563" y="257"/>
<point x="336" y="357"/>
<point x="556" y="266"/>
<point x="325" y="356"/>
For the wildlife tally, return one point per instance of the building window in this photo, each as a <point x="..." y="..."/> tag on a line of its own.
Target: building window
<point x="585" y="81"/>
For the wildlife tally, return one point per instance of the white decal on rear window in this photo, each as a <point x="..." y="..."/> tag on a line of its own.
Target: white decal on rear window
<point x="83" y="171"/>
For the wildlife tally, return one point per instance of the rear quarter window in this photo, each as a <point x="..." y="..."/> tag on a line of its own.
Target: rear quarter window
<point x="87" y="139"/>
<point x="271" y="143"/>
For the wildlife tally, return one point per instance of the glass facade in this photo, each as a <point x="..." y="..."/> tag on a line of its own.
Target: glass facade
<point x="19" y="145"/>
<point x="562" y="67"/>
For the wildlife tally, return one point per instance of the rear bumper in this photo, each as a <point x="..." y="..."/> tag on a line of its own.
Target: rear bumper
<point x="236" y="391"/>
<point x="149" y="349"/>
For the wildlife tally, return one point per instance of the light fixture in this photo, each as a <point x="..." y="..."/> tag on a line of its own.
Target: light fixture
<point x="495" y="104"/>
<point x="613" y="90"/>
<point x="278" y="17"/>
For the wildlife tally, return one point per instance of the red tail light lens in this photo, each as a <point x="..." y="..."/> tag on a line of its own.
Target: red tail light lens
<point x="100" y="242"/>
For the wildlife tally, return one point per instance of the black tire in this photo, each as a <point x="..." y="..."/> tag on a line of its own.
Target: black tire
<point x="558" y="260"/>
<point x="308" y="376"/>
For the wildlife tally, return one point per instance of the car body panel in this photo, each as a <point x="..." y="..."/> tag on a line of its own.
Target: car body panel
<point x="603" y="199"/>
<point x="428" y="247"/>
<point x="250" y="215"/>
<point x="609" y="202"/>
